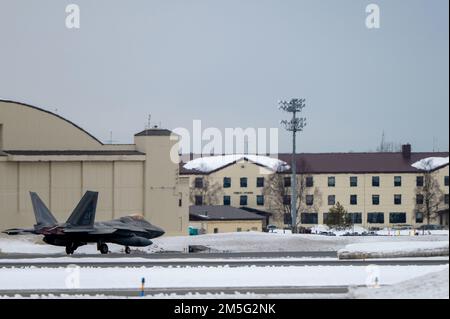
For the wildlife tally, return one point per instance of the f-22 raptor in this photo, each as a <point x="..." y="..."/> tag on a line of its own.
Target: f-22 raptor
<point x="80" y="229"/>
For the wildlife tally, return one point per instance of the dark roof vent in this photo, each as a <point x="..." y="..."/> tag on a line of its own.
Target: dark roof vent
<point x="406" y="151"/>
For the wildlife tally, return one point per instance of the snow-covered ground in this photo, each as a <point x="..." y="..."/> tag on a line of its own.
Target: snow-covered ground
<point x="176" y="277"/>
<point x="392" y="250"/>
<point x="430" y="286"/>
<point x="230" y="242"/>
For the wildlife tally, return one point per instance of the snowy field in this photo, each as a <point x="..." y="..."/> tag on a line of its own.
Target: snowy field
<point x="430" y="286"/>
<point x="230" y="242"/>
<point x="175" y="277"/>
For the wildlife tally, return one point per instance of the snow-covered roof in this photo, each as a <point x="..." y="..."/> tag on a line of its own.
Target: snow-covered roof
<point x="212" y="163"/>
<point x="430" y="163"/>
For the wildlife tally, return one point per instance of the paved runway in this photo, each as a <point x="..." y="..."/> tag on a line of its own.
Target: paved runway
<point x="209" y="259"/>
<point x="334" y="290"/>
<point x="178" y="255"/>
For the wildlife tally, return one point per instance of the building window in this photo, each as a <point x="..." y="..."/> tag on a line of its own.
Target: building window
<point x="397" y="181"/>
<point x="397" y="218"/>
<point x="287" y="200"/>
<point x="325" y="218"/>
<point x="446" y="181"/>
<point x="216" y="230"/>
<point x="356" y="218"/>
<point x="198" y="182"/>
<point x="375" y="181"/>
<point x="180" y="202"/>
<point x="260" y="200"/>
<point x="419" y="217"/>
<point x="419" y="181"/>
<point x="239" y="229"/>
<point x="309" y="200"/>
<point x="353" y="199"/>
<point x="331" y="200"/>
<point x="198" y="200"/>
<point x="243" y="200"/>
<point x="375" y="218"/>
<point x="287" y="219"/>
<point x="243" y="182"/>
<point x="375" y="199"/>
<point x="254" y="228"/>
<point x="419" y="199"/>
<point x="287" y="182"/>
<point x="353" y="181"/>
<point x="397" y="199"/>
<point x="309" y="218"/>
<point x="446" y="199"/>
<point x="227" y="200"/>
<point x="309" y="181"/>
<point x="260" y="182"/>
<point x="226" y="182"/>
<point x="331" y="181"/>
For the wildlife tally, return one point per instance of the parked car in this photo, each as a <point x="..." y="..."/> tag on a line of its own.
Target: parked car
<point x="304" y="230"/>
<point x="327" y="233"/>
<point x="402" y="227"/>
<point x="431" y="227"/>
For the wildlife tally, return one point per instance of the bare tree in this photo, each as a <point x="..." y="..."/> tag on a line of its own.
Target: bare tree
<point x="211" y="191"/>
<point x="430" y="197"/>
<point x="277" y="194"/>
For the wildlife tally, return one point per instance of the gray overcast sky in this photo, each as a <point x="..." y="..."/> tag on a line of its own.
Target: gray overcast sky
<point x="228" y="62"/>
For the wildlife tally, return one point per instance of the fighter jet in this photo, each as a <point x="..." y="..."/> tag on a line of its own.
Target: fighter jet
<point x="80" y="229"/>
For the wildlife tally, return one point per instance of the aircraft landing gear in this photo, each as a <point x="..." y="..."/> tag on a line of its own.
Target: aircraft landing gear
<point x="103" y="248"/>
<point x="70" y="248"/>
<point x="127" y="250"/>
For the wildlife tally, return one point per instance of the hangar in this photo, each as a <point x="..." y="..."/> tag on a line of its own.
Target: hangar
<point x="43" y="152"/>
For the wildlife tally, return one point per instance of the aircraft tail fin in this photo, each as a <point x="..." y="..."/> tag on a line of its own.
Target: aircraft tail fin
<point x="84" y="213"/>
<point x="42" y="214"/>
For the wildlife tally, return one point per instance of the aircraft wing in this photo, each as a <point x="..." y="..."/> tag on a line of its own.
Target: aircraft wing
<point x="90" y="231"/>
<point x="105" y="231"/>
<point x="127" y="227"/>
<point x="78" y="230"/>
<point x="19" y="231"/>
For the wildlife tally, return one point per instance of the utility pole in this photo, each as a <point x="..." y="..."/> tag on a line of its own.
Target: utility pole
<point x="296" y="124"/>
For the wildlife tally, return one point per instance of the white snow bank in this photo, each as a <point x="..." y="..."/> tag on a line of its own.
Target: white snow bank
<point x="393" y="250"/>
<point x="430" y="163"/>
<point x="174" y="277"/>
<point x="338" y="232"/>
<point x="430" y="286"/>
<point x="211" y="163"/>
<point x="26" y="244"/>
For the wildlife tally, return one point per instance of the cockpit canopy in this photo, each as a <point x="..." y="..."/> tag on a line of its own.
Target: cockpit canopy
<point x="135" y="219"/>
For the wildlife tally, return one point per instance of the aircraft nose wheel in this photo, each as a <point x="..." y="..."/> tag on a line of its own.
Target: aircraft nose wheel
<point x="69" y="250"/>
<point x="127" y="250"/>
<point x="104" y="249"/>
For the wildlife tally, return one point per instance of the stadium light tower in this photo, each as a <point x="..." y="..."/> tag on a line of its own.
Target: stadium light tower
<point x="296" y="124"/>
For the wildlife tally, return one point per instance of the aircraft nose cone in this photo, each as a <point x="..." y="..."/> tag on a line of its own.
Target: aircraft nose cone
<point x="157" y="232"/>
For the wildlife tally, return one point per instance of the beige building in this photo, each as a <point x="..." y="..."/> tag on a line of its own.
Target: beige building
<point x="377" y="189"/>
<point x="42" y="152"/>
<point x="223" y="219"/>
